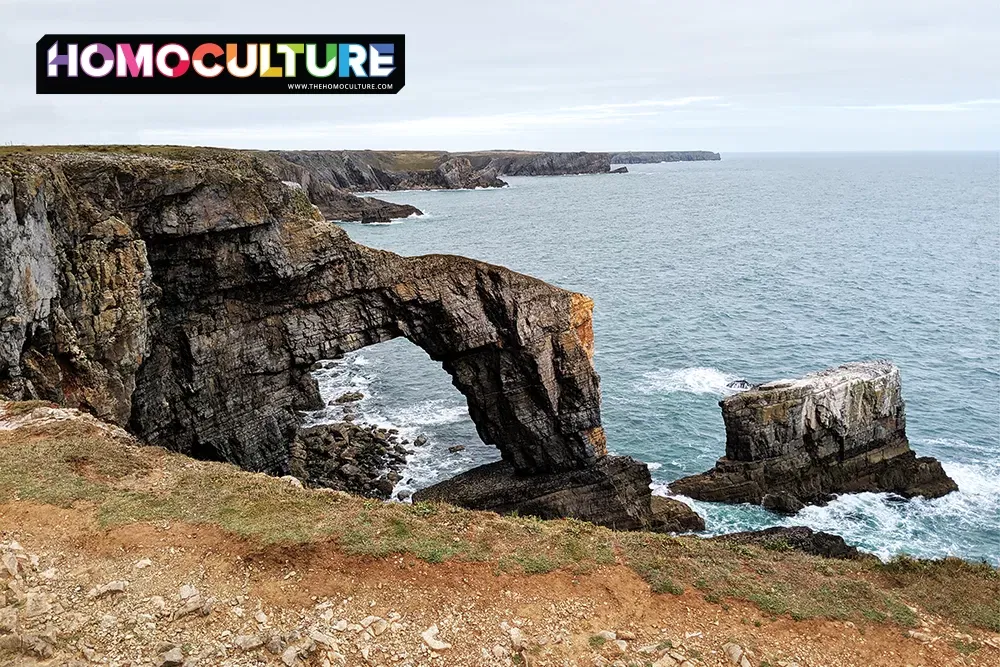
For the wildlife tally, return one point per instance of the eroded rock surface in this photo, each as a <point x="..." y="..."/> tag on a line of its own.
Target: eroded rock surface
<point x="613" y="493"/>
<point x="841" y="430"/>
<point x="798" y="538"/>
<point x="653" y="157"/>
<point x="188" y="298"/>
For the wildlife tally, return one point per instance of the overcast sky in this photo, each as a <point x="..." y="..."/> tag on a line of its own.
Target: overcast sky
<point x="729" y="76"/>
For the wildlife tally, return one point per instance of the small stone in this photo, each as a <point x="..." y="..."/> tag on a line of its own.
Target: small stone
<point x="340" y="625"/>
<point x="294" y="481"/>
<point x="420" y="441"/>
<point x="500" y="652"/>
<point x="517" y="639"/>
<point x="172" y="658"/>
<point x="261" y="617"/>
<point x="323" y="638"/>
<point x="108" y="589"/>
<point x="8" y="619"/>
<point x="275" y="645"/>
<point x="290" y="656"/>
<point x="10" y="562"/>
<point x="626" y="635"/>
<point x="456" y="449"/>
<point x="430" y="638"/>
<point x="36" y="604"/>
<point x="187" y="591"/>
<point x="143" y="564"/>
<point x="735" y="654"/>
<point x="349" y="397"/>
<point x="248" y="642"/>
<point x="192" y="605"/>
<point x="379" y="626"/>
<point x="665" y="661"/>
<point x="607" y="635"/>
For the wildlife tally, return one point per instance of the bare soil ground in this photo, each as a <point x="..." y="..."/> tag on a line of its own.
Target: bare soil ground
<point x="117" y="554"/>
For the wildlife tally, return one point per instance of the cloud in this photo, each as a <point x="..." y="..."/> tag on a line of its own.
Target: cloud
<point x="569" y="117"/>
<point x="970" y="105"/>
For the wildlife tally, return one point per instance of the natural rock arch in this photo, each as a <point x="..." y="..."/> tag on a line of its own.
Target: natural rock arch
<point x="189" y="298"/>
<point x="516" y="348"/>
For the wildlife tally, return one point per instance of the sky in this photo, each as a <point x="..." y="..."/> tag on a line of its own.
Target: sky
<point x="728" y="76"/>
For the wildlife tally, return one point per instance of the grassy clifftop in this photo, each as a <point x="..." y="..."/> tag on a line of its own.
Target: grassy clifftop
<point x="57" y="463"/>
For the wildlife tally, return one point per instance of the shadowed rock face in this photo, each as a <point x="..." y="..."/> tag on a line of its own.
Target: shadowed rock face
<point x="189" y="298"/>
<point x="614" y="493"/>
<point x="799" y="538"/>
<point x="792" y="442"/>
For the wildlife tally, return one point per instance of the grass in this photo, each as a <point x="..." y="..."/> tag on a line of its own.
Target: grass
<point x="21" y="408"/>
<point x="74" y="463"/>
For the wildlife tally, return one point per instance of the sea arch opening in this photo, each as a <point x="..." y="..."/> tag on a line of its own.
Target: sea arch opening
<point x="395" y="386"/>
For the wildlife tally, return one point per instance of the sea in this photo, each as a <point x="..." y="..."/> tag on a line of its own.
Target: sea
<point x="760" y="267"/>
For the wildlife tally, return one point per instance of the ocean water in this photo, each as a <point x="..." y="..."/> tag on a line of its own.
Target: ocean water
<point x="760" y="267"/>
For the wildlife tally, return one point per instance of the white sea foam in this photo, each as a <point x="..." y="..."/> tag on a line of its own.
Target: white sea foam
<point x="886" y="525"/>
<point x="431" y="412"/>
<point x="694" y="380"/>
<point x="427" y="464"/>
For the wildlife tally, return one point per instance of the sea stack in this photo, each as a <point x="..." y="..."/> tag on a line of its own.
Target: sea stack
<point x="791" y="443"/>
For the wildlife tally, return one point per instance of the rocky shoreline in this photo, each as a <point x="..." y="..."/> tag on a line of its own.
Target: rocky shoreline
<point x="357" y="458"/>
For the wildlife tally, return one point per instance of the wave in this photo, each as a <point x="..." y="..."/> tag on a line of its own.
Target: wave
<point x="961" y="524"/>
<point x="425" y="465"/>
<point x="694" y="380"/>
<point x="431" y="412"/>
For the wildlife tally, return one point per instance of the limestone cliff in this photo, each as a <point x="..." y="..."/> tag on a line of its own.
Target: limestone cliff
<point x="367" y="171"/>
<point x="653" y="157"/>
<point x="795" y="442"/>
<point x="188" y="298"/>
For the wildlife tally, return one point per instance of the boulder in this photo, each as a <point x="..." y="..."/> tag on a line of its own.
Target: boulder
<point x="797" y="538"/>
<point x="796" y="442"/>
<point x="673" y="516"/>
<point x="613" y="493"/>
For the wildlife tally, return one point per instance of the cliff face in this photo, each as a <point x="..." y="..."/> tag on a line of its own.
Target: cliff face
<point x="653" y="157"/>
<point x="529" y="163"/>
<point x="795" y="442"/>
<point x="367" y="171"/>
<point x="189" y="298"/>
<point x="335" y="201"/>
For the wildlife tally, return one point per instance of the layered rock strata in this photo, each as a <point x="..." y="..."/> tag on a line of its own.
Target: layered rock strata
<point x="653" y="157"/>
<point x="798" y="538"/>
<point x="189" y="298"/>
<point x="368" y="171"/>
<point x="796" y="442"/>
<point x="614" y="493"/>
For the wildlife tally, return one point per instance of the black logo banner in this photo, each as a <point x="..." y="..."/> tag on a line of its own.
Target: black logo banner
<point x="220" y="64"/>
